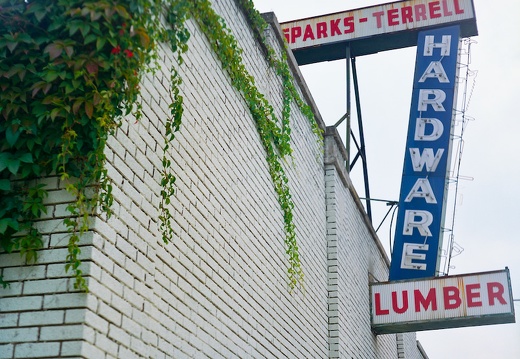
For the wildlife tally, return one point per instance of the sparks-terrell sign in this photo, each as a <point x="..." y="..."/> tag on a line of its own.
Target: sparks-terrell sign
<point x="420" y="218"/>
<point x="373" y="29"/>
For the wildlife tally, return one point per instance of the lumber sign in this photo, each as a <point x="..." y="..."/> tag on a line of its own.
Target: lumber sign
<point x="442" y="302"/>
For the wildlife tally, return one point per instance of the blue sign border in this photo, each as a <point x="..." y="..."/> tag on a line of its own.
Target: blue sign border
<point x="432" y="106"/>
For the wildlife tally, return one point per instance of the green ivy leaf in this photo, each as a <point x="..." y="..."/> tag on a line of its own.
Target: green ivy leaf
<point x="26" y="157"/>
<point x="11" y="136"/>
<point x="5" y="185"/>
<point x="38" y="10"/>
<point x="13" y="165"/>
<point x="4" y="157"/>
<point x="8" y="222"/>
<point x="51" y="75"/>
<point x="74" y="26"/>
<point x="100" y="43"/>
<point x="90" y="38"/>
<point x="3" y="225"/>
<point x="84" y="28"/>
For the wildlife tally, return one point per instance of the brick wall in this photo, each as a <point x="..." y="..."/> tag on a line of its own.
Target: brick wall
<point x="355" y="259"/>
<point x="39" y="315"/>
<point x="220" y="289"/>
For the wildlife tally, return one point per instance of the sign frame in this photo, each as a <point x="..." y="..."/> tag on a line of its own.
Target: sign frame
<point x="358" y="29"/>
<point x="462" y="316"/>
<point x="423" y="196"/>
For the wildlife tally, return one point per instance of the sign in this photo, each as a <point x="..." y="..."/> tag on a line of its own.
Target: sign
<point x="420" y="218"/>
<point x="373" y="29"/>
<point x="442" y="302"/>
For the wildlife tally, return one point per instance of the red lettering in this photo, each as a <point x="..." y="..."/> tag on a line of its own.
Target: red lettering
<point x="445" y="10"/>
<point x="407" y="14"/>
<point x="379" y="15"/>
<point x="458" y="10"/>
<point x="321" y="29"/>
<point x="495" y="291"/>
<point x="309" y="34"/>
<point x="435" y="9"/>
<point x="334" y="27"/>
<point x="473" y="296"/>
<point x="451" y="297"/>
<point x="420" y="12"/>
<point x="395" y="307"/>
<point x="393" y="16"/>
<point x="430" y="299"/>
<point x="287" y="36"/>
<point x="296" y="32"/>
<point x="380" y="311"/>
<point x="348" y="23"/>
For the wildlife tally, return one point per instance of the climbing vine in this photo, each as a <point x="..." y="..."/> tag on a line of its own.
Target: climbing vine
<point x="69" y="71"/>
<point x="69" y="74"/>
<point x="274" y="133"/>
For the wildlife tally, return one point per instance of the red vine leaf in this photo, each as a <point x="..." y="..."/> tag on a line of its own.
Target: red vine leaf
<point x="97" y="98"/>
<point x="69" y="50"/>
<point x="76" y="106"/>
<point x="92" y="68"/>
<point x="46" y="88"/>
<point x="54" y="50"/>
<point x="12" y="45"/>
<point x="37" y="87"/>
<point x="89" y="109"/>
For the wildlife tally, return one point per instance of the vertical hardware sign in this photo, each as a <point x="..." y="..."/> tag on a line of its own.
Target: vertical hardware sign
<point x="422" y="202"/>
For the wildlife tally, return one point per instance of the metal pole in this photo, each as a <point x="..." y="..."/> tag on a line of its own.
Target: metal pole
<point x="362" y="140"/>
<point x="347" y="137"/>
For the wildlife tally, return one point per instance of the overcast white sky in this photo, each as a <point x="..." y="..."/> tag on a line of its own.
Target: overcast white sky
<point x="489" y="199"/>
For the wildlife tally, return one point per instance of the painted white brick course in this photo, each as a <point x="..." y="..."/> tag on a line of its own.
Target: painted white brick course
<point x="17" y="335"/>
<point x="41" y="318"/>
<point x="37" y="350"/>
<point x="10" y="304"/>
<point x="46" y="286"/>
<point x="75" y="316"/>
<point x="6" y="351"/>
<point x="65" y="300"/>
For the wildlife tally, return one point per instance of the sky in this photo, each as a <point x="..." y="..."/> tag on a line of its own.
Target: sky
<point x="488" y="197"/>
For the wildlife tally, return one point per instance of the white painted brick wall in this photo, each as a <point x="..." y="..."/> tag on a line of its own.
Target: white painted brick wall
<point x="39" y="314"/>
<point x="355" y="258"/>
<point x="220" y="289"/>
<point x="407" y="346"/>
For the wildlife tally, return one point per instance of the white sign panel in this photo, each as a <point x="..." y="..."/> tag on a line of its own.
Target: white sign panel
<point x="442" y="302"/>
<point x="376" y="20"/>
<point x="373" y="29"/>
